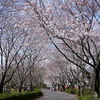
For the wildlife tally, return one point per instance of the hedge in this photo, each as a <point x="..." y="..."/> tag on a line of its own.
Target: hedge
<point x="78" y="92"/>
<point x="73" y="91"/>
<point x="21" y="96"/>
<point x="85" y="94"/>
<point x="87" y="98"/>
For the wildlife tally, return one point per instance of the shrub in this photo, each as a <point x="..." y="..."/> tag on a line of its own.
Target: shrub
<point x="87" y="92"/>
<point x="86" y="98"/>
<point x="71" y="91"/>
<point x="21" y="96"/>
<point x="78" y="92"/>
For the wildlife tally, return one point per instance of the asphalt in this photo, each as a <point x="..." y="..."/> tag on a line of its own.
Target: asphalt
<point x="56" y="95"/>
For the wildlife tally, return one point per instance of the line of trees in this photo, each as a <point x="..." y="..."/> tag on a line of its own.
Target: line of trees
<point x="21" y="48"/>
<point x="73" y="28"/>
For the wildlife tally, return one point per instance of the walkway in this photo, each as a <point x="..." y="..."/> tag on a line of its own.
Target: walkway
<point x="55" y="95"/>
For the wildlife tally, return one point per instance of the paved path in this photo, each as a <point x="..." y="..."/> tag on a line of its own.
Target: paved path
<point x="55" y="95"/>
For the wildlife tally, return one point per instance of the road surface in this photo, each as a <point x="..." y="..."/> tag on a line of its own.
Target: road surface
<point x="56" y="95"/>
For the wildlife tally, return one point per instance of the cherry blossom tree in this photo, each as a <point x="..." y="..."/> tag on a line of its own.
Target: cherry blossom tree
<point x="74" y="23"/>
<point x="13" y="36"/>
<point x="72" y="26"/>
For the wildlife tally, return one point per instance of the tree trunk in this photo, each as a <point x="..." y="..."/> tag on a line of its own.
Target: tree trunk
<point x="63" y="87"/>
<point x="79" y="87"/>
<point x="1" y="86"/>
<point x="20" y="89"/>
<point x="58" y="87"/>
<point x="1" y="89"/>
<point x="72" y="86"/>
<point x="31" y="86"/>
<point x="96" y="84"/>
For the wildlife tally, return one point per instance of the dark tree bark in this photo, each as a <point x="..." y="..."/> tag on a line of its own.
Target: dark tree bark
<point x="97" y="83"/>
<point x="1" y="88"/>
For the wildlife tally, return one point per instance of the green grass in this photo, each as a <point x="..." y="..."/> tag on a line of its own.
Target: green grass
<point x="14" y="91"/>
